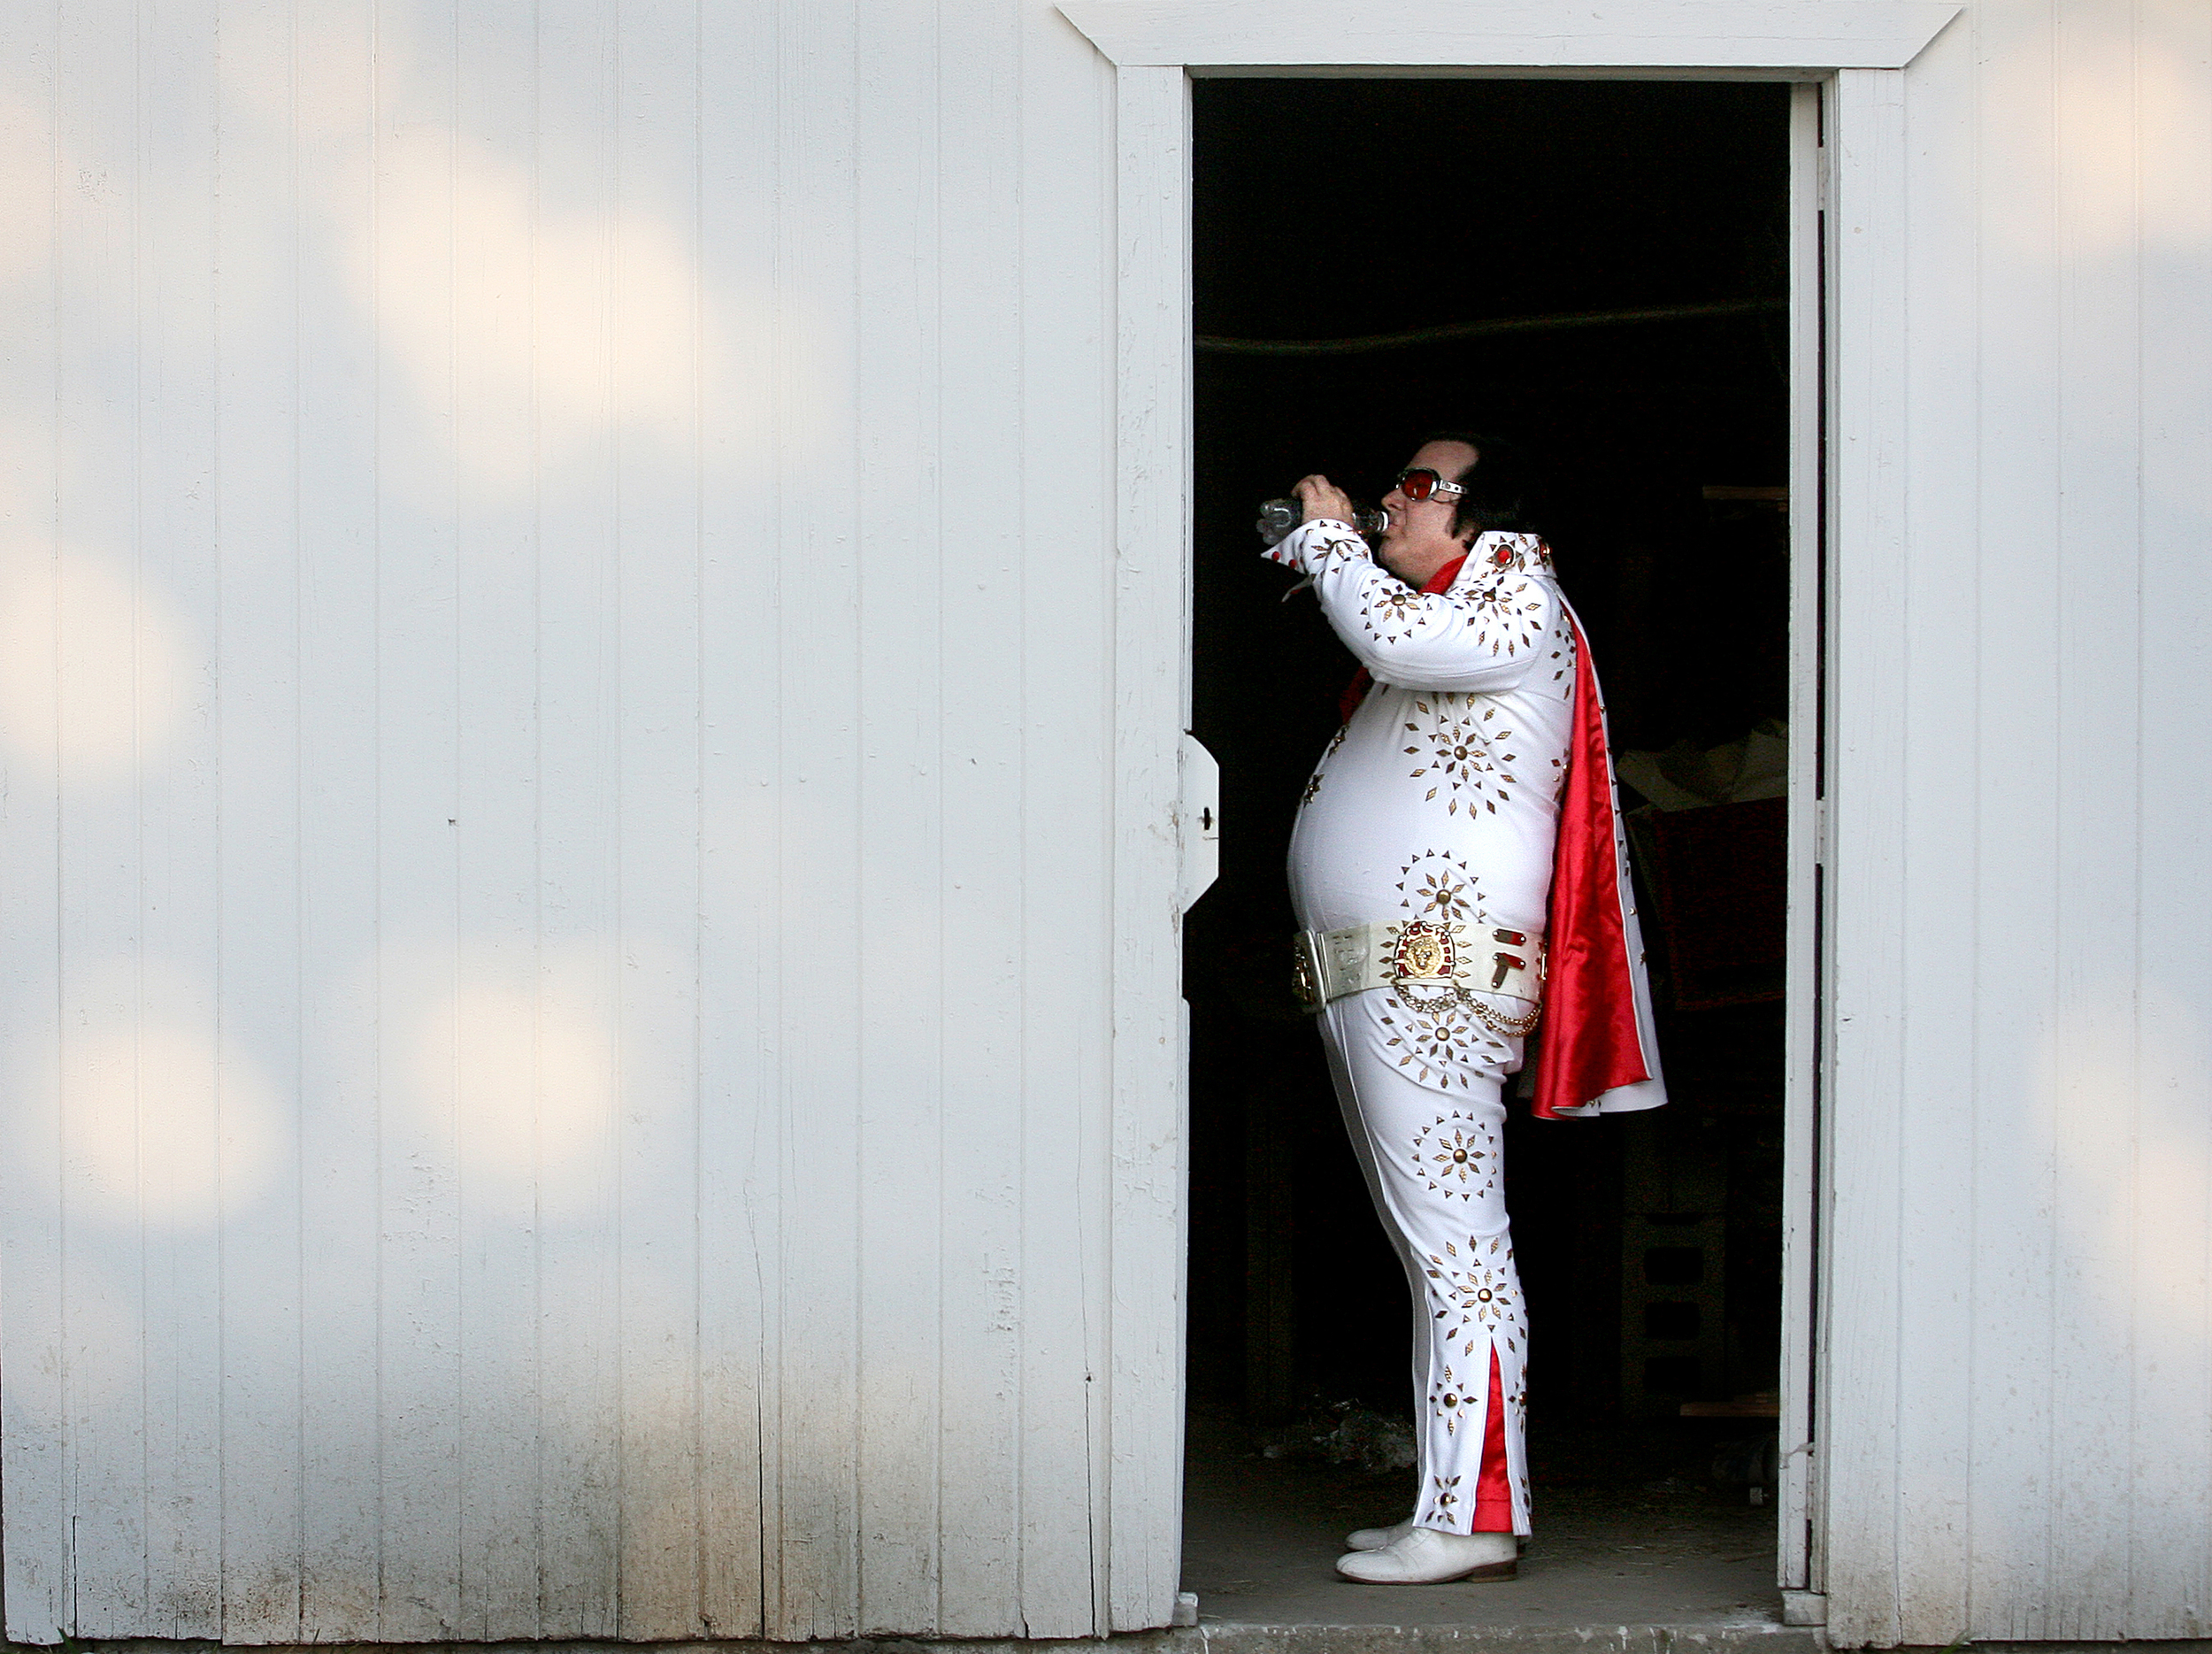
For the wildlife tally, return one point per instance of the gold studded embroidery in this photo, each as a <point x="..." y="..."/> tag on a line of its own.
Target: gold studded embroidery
<point x="1480" y="1293"/>
<point x="1435" y="1038"/>
<point x="1463" y="750"/>
<point x="1393" y="614"/>
<point x="1506" y="610"/>
<point x="1450" y="1402"/>
<point x="1457" y="1155"/>
<point x="1498" y="606"/>
<point x="1438" y="885"/>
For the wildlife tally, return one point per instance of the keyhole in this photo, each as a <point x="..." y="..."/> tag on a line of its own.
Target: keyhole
<point x="1206" y="818"/>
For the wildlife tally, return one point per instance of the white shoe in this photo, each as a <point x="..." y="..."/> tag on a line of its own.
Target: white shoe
<point x="1423" y="1556"/>
<point x="1376" y="1538"/>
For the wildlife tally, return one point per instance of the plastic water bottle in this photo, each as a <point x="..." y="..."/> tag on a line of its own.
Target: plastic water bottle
<point x="1278" y="518"/>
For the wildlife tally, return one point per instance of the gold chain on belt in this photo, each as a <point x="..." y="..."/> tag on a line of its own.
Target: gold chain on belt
<point x="1495" y="1020"/>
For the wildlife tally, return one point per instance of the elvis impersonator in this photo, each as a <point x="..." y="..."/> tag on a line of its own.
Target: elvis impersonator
<point x="1460" y="869"/>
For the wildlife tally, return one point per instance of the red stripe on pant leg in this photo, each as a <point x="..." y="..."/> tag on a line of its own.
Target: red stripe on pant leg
<point x="1493" y="1491"/>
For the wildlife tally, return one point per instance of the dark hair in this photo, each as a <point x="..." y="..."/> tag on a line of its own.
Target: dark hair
<point x="1503" y="489"/>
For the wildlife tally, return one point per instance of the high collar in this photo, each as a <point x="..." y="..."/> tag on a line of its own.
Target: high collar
<point x="1495" y="552"/>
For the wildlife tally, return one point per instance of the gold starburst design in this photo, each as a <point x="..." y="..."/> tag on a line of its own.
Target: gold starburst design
<point x="1450" y="1402"/>
<point x="1394" y="613"/>
<point x="1482" y="1290"/>
<point x="1433" y="1037"/>
<point x="1440" y="886"/>
<point x="1460" y="752"/>
<point x="1505" y="611"/>
<point x="1454" y="1157"/>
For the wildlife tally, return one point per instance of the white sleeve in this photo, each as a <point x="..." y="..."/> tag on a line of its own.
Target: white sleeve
<point x="1484" y="633"/>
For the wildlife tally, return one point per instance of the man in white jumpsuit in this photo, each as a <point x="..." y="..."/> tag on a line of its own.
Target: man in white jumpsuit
<point x="1422" y="867"/>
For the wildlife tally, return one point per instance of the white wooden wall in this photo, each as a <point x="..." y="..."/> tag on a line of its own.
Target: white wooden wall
<point x="2019" y="1398"/>
<point x="556" y="667"/>
<point x="556" y="691"/>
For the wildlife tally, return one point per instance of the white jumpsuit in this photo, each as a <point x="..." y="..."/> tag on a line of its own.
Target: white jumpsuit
<point x="1440" y="800"/>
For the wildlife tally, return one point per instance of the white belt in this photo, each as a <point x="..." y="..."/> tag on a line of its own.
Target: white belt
<point x="1415" y="953"/>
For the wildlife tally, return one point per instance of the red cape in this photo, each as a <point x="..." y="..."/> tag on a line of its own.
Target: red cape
<point x="1597" y="1045"/>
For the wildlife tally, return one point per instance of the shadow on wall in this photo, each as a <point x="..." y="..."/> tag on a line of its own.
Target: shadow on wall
<point x="344" y="1237"/>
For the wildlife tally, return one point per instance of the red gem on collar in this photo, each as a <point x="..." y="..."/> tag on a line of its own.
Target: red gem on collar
<point x="1502" y="556"/>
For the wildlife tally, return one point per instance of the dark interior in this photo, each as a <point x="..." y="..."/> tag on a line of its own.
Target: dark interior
<point x="1650" y="1245"/>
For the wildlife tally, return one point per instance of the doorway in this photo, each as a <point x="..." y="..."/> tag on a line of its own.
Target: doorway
<point x="1600" y="271"/>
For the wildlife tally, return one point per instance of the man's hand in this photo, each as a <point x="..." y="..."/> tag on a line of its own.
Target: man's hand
<point x="1321" y="498"/>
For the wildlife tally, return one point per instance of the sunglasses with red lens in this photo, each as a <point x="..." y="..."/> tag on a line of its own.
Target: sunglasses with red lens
<point x="1418" y="483"/>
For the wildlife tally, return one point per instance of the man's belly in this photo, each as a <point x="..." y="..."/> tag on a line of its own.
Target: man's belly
<point x="1368" y="847"/>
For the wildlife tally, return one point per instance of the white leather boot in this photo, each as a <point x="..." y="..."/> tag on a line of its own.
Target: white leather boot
<point x="1376" y="1538"/>
<point x="1423" y="1556"/>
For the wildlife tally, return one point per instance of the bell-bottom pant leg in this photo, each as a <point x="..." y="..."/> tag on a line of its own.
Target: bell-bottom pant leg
<point x="1434" y="1163"/>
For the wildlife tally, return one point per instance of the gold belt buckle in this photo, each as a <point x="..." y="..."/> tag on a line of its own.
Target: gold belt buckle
<point x="1423" y="953"/>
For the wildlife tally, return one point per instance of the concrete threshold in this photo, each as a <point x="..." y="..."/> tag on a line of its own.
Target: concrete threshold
<point x="1231" y="1637"/>
<point x="1206" y="1637"/>
<point x="1234" y="1637"/>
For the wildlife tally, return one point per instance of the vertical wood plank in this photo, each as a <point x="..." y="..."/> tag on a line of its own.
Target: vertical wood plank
<point x="342" y="1169"/>
<point x="419" y="1479"/>
<point x="2017" y="704"/>
<point x="208" y="1133"/>
<point x="1804" y="1083"/>
<point x="1151" y="690"/>
<point x="983" y="798"/>
<point x="1068" y="335"/>
<point x="1938" y="1133"/>
<point x="1869" y="803"/>
<point x="740" y="701"/>
<point x="2170" y="1565"/>
<point x="913" y="1271"/>
<point x="248" y="1328"/>
<point x="579" y="1468"/>
<point x="2095" y="1071"/>
<point x="656" y="342"/>
<point x="109" y="1101"/>
<point x="34" y="1583"/>
<point x="506" y="1081"/>
<point x="813" y="1590"/>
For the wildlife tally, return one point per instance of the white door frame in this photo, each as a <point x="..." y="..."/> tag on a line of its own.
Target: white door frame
<point x="1856" y="52"/>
